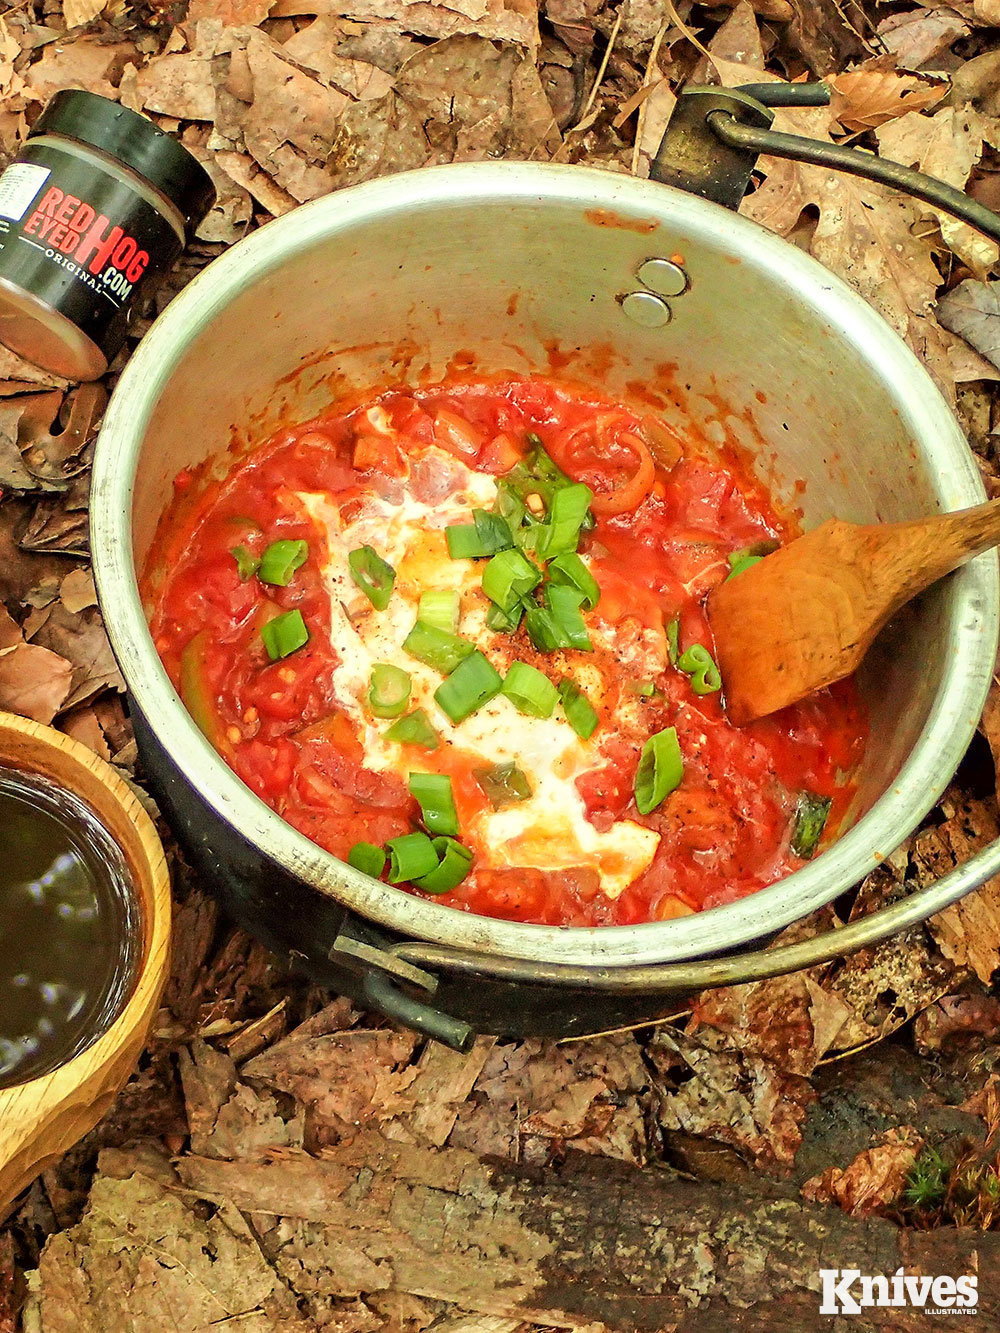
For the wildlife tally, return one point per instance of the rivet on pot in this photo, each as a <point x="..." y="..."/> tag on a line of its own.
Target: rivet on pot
<point x="662" y="276"/>
<point x="646" y="309"/>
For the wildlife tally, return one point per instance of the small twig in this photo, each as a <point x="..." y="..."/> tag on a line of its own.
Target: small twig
<point x="640" y="124"/>
<point x="601" y="71"/>
<point x="678" y="22"/>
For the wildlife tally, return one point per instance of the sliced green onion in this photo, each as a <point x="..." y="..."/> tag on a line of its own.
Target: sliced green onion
<point x="454" y="864"/>
<point x="660" y="770"/>
<point x="372" y="575"/>
<point x="531" y="692"/>
<point x="508" y="578"/>
<point x="509" y="505"/>
<point x="280" y="561"/>
<point x="486" y="535"/>
<point x="473" y="683"/>
<point x="560" y="624"/>
<point x="284" y="635"/>
<point x="436" y="647"/>
<point x="644" y="688"/>
<point x="811" y="814"/>
<point x="699" y="664"/>
<point x="503" y="784"/>
<point x="414" y="729"/>
<point x="738" y="566"/>
<point x="505" y="622"/>
<point x="570" y="570"/>
<point x="389" y="690"/>
<point x="367" y="858"/>
<point x="440" y="607"/>
<point x="580" y="712"/>
<point x="247" y="563"/>
<point x="437" y="802"/>
<point x="410" y="856"/>
<point x="673" y="639"/>
<point x="566" y="514"/>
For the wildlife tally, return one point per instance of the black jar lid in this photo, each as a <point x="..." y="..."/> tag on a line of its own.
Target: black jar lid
<point x="136" y="142"/>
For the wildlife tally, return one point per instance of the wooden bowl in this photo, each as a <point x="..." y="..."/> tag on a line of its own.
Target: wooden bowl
<point x="43" y="1117"/>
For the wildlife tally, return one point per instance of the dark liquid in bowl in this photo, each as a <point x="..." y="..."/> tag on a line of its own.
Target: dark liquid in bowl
<point x="70" y="928"/>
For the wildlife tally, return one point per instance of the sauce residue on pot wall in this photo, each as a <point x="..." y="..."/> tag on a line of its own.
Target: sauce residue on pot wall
<point x="604" y="217"/>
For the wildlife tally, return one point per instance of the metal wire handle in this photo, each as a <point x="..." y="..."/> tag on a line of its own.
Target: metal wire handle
<point x="734" y="134"/>
<point x="738" y="968"/>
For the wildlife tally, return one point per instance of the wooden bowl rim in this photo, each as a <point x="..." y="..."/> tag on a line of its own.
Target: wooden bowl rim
<point x="156" y="912"/>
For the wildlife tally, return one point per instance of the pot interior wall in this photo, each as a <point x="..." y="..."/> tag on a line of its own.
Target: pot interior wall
<point x="751" y="356"/>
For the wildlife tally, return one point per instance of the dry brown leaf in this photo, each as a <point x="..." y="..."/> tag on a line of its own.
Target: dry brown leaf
<point x="313" y="48"/>
<point x="247" y="175"/>
<point x="499" y="20"/>
<point x="78" y="12"/>
<point x="968" y="932"/>
<point x="916" y="36"/>
<point x="957" y="1015"/>
<point x="947" y="146"/>
<point x="735" y="1097"/>
<point x="972" y="310"/>
<point x="82" y="724"/>
<point x="10" y="630"/>
<point x="230" y="13"/>
<point x="34" y="682"/>
<point x="143" y="1250"/>
<point x="789" y="1020"/>
<point x="444" y="1080"/>
<point x="865" y="233"/>
<point x="987" y="12"/>
<point x="886" y="984"/>
<point x="867" y="97"/>
<point x="85" y="63"/>
<point x="82" y="640"/>
<point x="179" y="85"/>
<point x="342" y="1079"/>
<point x="77" y="591"/>
<point x="873" y="1180"/>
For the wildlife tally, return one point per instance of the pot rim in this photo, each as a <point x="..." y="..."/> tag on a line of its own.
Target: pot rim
<point x="973" y="621"/>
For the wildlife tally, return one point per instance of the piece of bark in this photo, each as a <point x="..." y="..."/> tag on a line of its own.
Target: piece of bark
<point x="631" y="1251"/>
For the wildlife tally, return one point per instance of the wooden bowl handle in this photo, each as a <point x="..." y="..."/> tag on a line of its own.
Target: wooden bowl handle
<point x="40" y="1119"/>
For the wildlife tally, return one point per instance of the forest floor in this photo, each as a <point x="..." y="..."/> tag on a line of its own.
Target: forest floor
<point x="282" y="1161"/>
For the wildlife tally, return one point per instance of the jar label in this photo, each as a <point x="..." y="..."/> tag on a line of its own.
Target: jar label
<point x="80" y="240"/>
<point x="19" y="185"/>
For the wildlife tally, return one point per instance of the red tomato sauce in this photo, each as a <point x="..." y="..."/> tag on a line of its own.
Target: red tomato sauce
<point x="667" y="517"/>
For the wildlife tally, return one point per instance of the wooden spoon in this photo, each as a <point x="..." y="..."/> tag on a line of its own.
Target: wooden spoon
<point x="43" y="1117"/>
<point x="806" y="615"/>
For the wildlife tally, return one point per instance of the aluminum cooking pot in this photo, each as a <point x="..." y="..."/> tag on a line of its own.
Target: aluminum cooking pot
<point x="648" y="285"/>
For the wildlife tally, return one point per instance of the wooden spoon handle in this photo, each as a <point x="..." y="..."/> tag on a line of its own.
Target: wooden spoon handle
<point x="909" y="557"/>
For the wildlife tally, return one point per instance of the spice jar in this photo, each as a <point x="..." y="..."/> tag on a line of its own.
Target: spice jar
<point x="95" y="208"/>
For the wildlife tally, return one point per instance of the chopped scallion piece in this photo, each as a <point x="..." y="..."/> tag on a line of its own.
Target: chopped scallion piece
<point x="280" y="561"/>
<point x="414" y="729"/>
<point x="508" y="578"/>
<point x="247" y="563"/>
<point x="454" y="864"/>
<point x="699" y="664"/>
<point x="284" y="635"/>
<point x="434" y="794"/>
<point x="673" y="639"/>
<point x="372" y="575"/>
<point x="440" y="607"/>
<point x="509" y="505"/>
<point x="389" y="690"/>
<point x="505" y="622"/>
<point x="660" y="770"/>
<point x="473" y="683"/>
<point x="486" y="535"/>
<point x="503" y="784"/>
<point x="750" y="555"/>
<point x="580" y="712"/>
<point x="531" y="692"/>
<point x="367" y="858"/>
<point x="564" y="603"/>
<point x="737" y="566"/>
<point x="567" y="511"/>
<point x="411" y="855"/>
<point x="436" y="647"/>
<point x="811" y="814"/>
<point x="645" y="689"/>
<point x="570" y="570"/>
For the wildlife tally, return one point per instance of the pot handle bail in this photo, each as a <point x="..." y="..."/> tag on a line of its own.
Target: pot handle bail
<point x="715" y="136"/>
